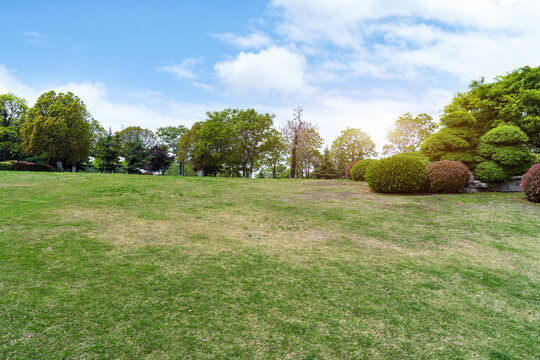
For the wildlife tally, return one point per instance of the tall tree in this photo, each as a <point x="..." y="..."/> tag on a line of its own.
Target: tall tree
<point x="352" y="144"/>
<point x="137" y="156"/>
<point x="510" y="99"/>
<point x="97" y="132"/>
<point x="408" y="133"/>
<point x="160" y="160"/>
<point x="131" y="134"/>
<point x="58" y="128"/>
<point x="273" y="151"/>
<point x="327" y="167"/>
<point x="170" y="137"/>
<point x="250" y="131"/>
<point x="108" y="151"/>
<point x="297" y="133"/>
<point x="308" y="153"/>
<point x="13" y="113"/>
<point x="186" y="147"/>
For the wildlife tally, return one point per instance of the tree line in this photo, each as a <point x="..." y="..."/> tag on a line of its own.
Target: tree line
<point x="60" y="130"/>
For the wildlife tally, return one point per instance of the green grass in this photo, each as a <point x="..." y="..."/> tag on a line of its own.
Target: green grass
<point x="131" y="267"/>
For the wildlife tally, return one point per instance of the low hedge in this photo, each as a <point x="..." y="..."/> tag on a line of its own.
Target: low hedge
<point x="530" y="183"/>
<point x="397" y="174"/>
<point x="447" y="176"/>
<point x="28" y="166"/>
<point x="490" y="171"/>
<point x="6" y="165"/>
<point x="358" y="171"/>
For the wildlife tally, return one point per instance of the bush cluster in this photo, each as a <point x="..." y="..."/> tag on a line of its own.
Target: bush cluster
<point x="530" y="183"/>
<point x="358" y="171"/>
<point x="6" y="165"/>
<point x="349" y="168"/>
<point x="447" y="176"/>
<point x="397" y="174"/>
<point x="28" y="166"/>
<point x="503" y="153"/>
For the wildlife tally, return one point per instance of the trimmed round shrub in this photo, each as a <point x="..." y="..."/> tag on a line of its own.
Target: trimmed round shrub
<point x="459" y="118"/>
<point x="490" y="171"/>
<point x="349" y="168"/>
<point x="512" y="156"/>
<point x="358" y="171"/>
<point x="530" y="183"/>
<point x="505" y="135"/>
<point x="415" y="154"/>
<point x="447" y="176"/>
<point x="397" y="174"/>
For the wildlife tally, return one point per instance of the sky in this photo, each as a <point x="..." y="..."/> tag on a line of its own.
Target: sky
<point x="349" y="63"/>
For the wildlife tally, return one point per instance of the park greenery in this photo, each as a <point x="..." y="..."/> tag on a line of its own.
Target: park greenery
<point x="493" y="129"/>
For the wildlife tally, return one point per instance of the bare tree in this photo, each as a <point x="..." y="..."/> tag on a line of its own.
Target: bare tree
<point x="300" y="136"/>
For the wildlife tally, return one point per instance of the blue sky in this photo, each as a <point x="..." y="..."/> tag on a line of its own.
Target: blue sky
<point x="350" y="63"/>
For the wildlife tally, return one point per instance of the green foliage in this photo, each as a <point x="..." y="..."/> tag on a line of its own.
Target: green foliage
<point x="505" y="135"/>
<point x="6" y="166"/>
<point x="137" y="157"/>
<point x="448" y="176"/>
<point x="490" y="171"/>
<point x="512" y="99"/>
<point x="107" y="152"/>
<point x="58" y="128"/>
<point x="458" y="119"/>
<point x="454" y="142"/>
<point x="349" y="168"/>
<point x="503" y="145"/>
<point x="132" y="134"/>
<point x="327" y="168"/>
<point x="535" y="158"/>
<point x="530" y="183"/>
<point x="359" y="169"/>
<point x="13" y="113"/>
<point x="414" y="154"/>
<point x="408" y="133"/>
<point x="402" y="174"/>
<point x="353" y="144"/>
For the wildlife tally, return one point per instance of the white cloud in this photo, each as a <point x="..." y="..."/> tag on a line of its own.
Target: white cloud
<point x="143" y="108"/>
<point x="255" y="40"/>
<point x="462" y="37"/>
<point x="274" y="69"/>
<point x="37" y="39"/>
<point x="183" y="70"/>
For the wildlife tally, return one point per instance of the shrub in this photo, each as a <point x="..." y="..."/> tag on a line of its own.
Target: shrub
<point x="530" y="183"/>
<point x="397" y="174"/>
<point x="535" y="158"/>
<point x="348" y="169"/>
<point x="28" y="166"/>
<point x="447" y="176"/>
<point x="6" y="165"/>
<point x="358" y="171"/>
<point x="490" y="171"/>
<point x="504" y="147"/>
<point x="505" y="135"/>
<point x="415" y="154"/>
<point x="459" y="118"/>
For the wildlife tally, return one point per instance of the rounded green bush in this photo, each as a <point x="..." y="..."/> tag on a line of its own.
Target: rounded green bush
<point x="505" y="135"/>
<point x="530" y="183"/>
<point x="458" y="118"/>
<point x="490" y="171"/>
<point x="358" y="171"/>
<point x="447" y="176"/>
<point x="397" y="174"/>
<point x="511" y="156"/>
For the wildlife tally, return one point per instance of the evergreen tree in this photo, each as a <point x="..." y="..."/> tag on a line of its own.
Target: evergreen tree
<point x="327" y="169"/>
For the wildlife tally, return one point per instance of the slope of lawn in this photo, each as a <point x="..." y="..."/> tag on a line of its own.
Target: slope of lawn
<point x="99" y="266"/>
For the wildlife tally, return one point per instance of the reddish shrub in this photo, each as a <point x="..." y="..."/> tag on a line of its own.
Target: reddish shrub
<point x="28" y="166"/>
<point x="447" y="176"/>
<point x="349" y="168"/>
<point x="530" y="183"/>
<point x="147" y="173"/>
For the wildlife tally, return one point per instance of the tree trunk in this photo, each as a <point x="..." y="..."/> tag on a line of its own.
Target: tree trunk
<point x="5" y="155"/>
<point x="59" y="166"/>
<point x="73" y="168"/>
<point x="293" y="162"/>
<point x="274" y="171"/>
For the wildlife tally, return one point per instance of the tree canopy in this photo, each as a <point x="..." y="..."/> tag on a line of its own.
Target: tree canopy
<point x="408" y="133"/>
<point x="13" y="113"/>
<point x="352" y="144"/>
<point x="58" y="128"/>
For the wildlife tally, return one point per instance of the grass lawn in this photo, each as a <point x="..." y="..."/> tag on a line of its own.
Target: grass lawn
<point x="99" y="266"/>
